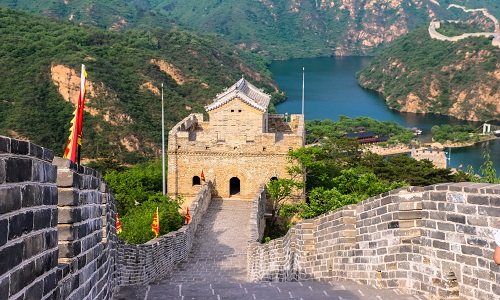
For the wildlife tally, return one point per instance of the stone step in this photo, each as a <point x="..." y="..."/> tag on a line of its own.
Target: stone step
<point x="274" y="290"/>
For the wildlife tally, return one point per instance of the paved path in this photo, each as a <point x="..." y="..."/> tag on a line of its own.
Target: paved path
<point x="219" y="251"/>
<point x="216" y="268"/>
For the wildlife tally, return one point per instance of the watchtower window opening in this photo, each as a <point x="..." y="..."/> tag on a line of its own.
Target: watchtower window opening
<point x="273" y="178"/>
<point x="234" y="186"/>
<point x="196" y="180"/>
<point x="232" y="110"/>
<point x="239" y="110"/>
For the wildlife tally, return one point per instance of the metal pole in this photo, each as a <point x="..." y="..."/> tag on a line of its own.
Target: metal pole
<point x="302" y="90"/>
<point x="163" y="142"/>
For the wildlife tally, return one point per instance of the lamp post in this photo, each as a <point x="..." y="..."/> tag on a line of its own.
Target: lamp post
<point x="163" y="143"/>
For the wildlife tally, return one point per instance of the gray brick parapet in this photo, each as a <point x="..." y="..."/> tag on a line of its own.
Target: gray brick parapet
<point x="28" y="221"/>
<point x="138" y="264"/>
<point x="435" y="241"/>
<point x="87" y="238"/>
<point x="57" y="230"/>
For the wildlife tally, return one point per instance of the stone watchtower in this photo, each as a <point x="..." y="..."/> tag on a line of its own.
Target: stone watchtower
<point x="239" y="148"/>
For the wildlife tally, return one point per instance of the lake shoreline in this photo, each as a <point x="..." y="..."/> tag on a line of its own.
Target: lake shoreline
<point x="331" y="90"/>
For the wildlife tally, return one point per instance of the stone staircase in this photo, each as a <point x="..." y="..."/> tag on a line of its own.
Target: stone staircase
<point x="216" y="268"/>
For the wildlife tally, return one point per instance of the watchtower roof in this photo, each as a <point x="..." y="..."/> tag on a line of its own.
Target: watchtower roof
<point x="245" y="91"/>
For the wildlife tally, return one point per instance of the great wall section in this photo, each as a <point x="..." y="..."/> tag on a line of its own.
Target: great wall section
<point x="433" y="26"/>
<point x="58" y="240"/>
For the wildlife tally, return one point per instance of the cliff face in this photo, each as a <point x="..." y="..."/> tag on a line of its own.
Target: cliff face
<point x="294" y="28"/>
<point x="422" y="75"/>
<point x="378" y="22"/>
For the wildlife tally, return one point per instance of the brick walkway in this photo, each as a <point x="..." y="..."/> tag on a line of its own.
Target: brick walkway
<point x="219" y="247"/>
<point x="216" y="268"/>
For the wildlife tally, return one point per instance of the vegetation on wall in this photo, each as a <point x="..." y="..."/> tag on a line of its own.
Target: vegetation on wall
<point x="456" y="29"/>
<point x="138" y="192"/>
<point x="338" y="173"/>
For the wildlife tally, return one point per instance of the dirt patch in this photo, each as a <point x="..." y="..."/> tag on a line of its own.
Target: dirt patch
<point x="171" y="70"/>
<point x="68" y="84"/>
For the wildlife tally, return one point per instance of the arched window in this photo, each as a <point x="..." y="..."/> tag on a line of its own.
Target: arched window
<point x="196" y="180"/>
<point x="234" y="186"/>
<point x="273" y="178"/>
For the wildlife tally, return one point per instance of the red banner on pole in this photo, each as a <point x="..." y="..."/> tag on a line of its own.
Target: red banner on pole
<point x="118" y="224"/>
<point x="188" y="217"/>
<point x="75" y="136"/>
<point x="155" y="227"/>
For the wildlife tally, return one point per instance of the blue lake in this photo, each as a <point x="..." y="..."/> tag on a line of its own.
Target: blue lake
<point x="331" y="90"/>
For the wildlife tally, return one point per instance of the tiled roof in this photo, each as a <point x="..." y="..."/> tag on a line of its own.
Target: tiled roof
<point x="360" y="135"/>
<point x="244" y="90"/>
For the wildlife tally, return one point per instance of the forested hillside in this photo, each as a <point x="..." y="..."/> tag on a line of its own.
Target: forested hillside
<point x="420" y="74"/>
<point x="40" y="63"/>
<point x="276" y="28"/>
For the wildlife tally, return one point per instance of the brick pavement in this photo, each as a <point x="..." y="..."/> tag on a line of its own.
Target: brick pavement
<point x="219" y="248"/>
<point x="216" y="268"/>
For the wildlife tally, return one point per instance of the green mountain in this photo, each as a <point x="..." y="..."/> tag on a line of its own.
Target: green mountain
<point x="280" y="29"/>
<point x="424" y="75"/>
<point x="40" y="63"/>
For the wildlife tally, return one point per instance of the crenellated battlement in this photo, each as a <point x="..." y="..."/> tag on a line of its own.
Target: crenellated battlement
<point x="240" y="146"/>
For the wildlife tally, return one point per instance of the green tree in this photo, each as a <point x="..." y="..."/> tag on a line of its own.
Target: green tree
<point x="404" y="168"/>
<point x="135" y="185"/>
<point x="136" y="224"/>
<point x="350" y="187"/>
<point x="280" y="190"/>
<point x="487" y="172"/>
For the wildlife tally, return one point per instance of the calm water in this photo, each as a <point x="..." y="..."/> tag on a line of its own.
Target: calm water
<point x="331" y="90"/>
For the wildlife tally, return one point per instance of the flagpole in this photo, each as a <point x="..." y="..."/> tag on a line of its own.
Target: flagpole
<point x="163" y="142"/>
<point x="302" y="90"/>
<point x="80" y="107"/>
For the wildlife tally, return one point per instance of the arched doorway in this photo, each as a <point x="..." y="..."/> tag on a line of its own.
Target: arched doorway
<point x="196" y="180"/>
<point x="234" y="186"/>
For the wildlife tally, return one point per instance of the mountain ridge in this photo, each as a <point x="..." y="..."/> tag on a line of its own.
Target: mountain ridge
<point x="279" y="29"/>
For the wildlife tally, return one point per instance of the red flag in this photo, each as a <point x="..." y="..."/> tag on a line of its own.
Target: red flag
<point x="118" y="225"/>
<point x="188" y="217"/>
<point x="202" y="176"/>
<point x="75" y="136"/>
<point x="155" y="227"/>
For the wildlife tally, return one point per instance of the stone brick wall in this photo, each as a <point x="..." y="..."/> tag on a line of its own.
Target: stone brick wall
<point x="28" y="221"/>
<point x="257" y="221"/>
<point x="57" y="230"/>
<point x="252" y="158"/>
<point x="436" y="240"/>
<point x="57" y="237"/>
<point x="236" y="118"/>
<point x="86" y="238"/>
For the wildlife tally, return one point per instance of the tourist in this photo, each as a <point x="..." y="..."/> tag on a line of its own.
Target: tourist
<point x="496" y="256"/>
